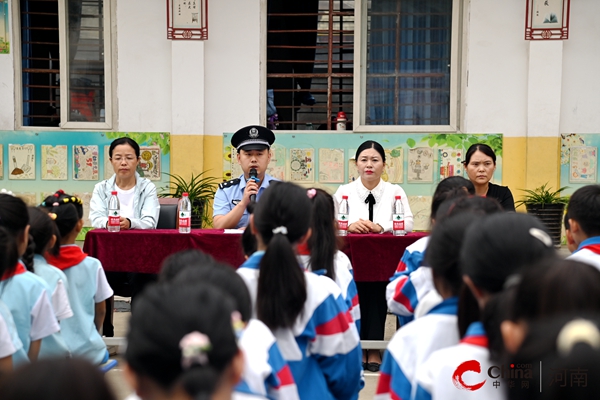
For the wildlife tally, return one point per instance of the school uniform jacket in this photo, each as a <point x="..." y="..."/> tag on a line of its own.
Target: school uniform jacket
<point x="588" y="252"/>
<point x="322" y="348"/>
<point x="26" y="296"/>
<point x="411" y="346"/>
<point x="436" y="378"/>
<point x="87" y="286"/>
<point x="54" y="345"/>
<point x="411" y="281"/>
<point x="266" y="373"/>
<point x="344" y="278"/>
<point x="9" y="338"/>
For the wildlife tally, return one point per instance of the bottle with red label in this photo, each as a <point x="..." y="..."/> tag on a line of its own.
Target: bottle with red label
<point x="398" y="217"/>
<point x="341" y="121"/>
<point x="185" y="214"/>
<point x="342" y="220"/>
<point x="114" y="213"/>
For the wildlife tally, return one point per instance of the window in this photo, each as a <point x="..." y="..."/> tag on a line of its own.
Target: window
<point x="409" y="49"/>
<point x="406" y="69"/>
<point x="310" y="61"/>
<point x="65" y="63"/>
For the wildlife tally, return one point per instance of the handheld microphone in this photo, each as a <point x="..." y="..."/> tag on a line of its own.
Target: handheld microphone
<point x="253" y="174"/>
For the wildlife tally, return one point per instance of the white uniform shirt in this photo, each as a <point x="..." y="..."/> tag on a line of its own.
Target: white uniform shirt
<point x="384" y="194"/>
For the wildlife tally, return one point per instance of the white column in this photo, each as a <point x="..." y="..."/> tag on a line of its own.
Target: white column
<point x="187" y="87"/>
<point x="544" y="88"/>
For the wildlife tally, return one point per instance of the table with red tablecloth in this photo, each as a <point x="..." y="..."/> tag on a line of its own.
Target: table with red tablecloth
<point x="374" y="256"/>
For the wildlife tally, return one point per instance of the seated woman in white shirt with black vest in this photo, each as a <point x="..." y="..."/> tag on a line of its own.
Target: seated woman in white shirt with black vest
<point x="370" y="201"/>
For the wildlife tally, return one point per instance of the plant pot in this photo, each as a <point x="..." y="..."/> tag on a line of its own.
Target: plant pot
<point x="551" y="215"/>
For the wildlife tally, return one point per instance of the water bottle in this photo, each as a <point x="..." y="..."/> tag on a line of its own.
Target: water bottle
<point x="114" y="213"/>
<point x="343" y="217"/>
<point x="185" y="214"/>
<point x="398" y="217"/>
<point x="341" y="121"/>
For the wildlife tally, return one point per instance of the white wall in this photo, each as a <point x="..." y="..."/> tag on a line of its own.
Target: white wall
<point x="7" y="80"/>
<point x="232" y="62"/>
<point x="143" y="67"/>
<point x="580" y="111"/>
<point x="496" y="92"/>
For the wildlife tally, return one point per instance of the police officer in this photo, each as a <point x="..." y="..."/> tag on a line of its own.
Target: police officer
<point x="253" y="145"/>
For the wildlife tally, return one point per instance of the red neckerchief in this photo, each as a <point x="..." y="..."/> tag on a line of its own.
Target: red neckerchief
<point x="68" y="257"/>
<point x="594" y="248"/>
<point x="20" y="269"/>
<point x="303" y="249"/>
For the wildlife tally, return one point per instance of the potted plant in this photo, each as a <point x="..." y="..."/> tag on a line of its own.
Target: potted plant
<point x="548" y="206"/>
<point x="200" y="189"/>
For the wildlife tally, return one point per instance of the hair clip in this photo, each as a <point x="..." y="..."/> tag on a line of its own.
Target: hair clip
<point x="9" y="192"/>
<point x="55" y="204"/>
<point x="311" y="193"/>
<point x="60" y="191"/>
<point x="280" y="229"/>
<point x="56" y="194"/>
<point x="52" y="216"/>
<point x="577" y="331"/>
<point x="541" y="236"/>
<point x="237" y="324"/>
<point x="194" y="349"/>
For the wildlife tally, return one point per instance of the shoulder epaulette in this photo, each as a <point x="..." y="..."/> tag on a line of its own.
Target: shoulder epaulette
<point x="229" y="183"/>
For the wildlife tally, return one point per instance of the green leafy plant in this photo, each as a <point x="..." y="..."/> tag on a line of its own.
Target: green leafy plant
<point x="200" y="189"/>
<point x="543" y="195"/>
<point x="459" y="141"/>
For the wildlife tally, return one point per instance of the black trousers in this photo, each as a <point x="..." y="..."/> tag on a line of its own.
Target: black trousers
<point x="373" y="309"/>
<point x="126" y="284"/>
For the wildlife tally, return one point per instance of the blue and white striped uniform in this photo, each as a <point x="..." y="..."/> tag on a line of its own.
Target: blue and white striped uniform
<point x="54" y="345"/>
<point x="344" y="278"/>
<point x="322" y="348"/>
<point x="411" y="281"/>
<point x="266" y="373"/>
<point x="411" y="346"/>
<point x="588" y="252"/>
<point x="26" y="296"/>
<point x="437" y="378"/>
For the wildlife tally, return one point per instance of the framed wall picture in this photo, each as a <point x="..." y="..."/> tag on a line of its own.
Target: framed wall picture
<point x="187" y="19"/>
<point x="547" y="20"/>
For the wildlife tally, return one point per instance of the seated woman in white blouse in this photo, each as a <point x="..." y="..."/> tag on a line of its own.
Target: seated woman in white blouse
<point x="370" y="188"/>
<point x="371" y="201"/>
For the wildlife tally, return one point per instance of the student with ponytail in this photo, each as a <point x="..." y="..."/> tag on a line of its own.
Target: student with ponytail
<point x="305" y="311"/>
<point x="44" y="234"/>
<point x="87" y="285"/>
<point x="322" y="250"/>
<point x="24" y="293"/>
<point x="9" y="338"/>
<point x="177" y="352"/>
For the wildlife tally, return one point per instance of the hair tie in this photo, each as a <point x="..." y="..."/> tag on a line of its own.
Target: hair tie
<point x="541" y="236"/>
<point x="577" y="331"/>
<point x="311" y="193"/>
<point x="280" y="229"/>
<point x="237" y="324"/>
<point x="52" y="216"/>
<point x="9" y="192"/>
<point x="55" y="204"/>
<point x="512" y="281"/>
<point x="194" y="349"/>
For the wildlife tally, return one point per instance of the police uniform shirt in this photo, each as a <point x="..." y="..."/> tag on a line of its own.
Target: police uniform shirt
<point x="230" y="193"/>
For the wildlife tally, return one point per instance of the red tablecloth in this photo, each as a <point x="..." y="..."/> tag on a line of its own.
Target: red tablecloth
<point x="374" y="257"/>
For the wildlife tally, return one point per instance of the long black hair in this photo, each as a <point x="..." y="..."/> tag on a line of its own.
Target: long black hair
<point x="9" y="254"/>
<point x="165" y="317"/>
<point x="14" y="218"/>
<point x="281" y="218"/>
<point x="41" y="229"/>
<point x="323" y="241"/>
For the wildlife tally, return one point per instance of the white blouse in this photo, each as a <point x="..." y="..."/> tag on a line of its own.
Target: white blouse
<point x="384" y="194"/>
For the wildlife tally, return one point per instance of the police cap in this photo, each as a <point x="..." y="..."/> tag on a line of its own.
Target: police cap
<point x="253" y="137"/>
